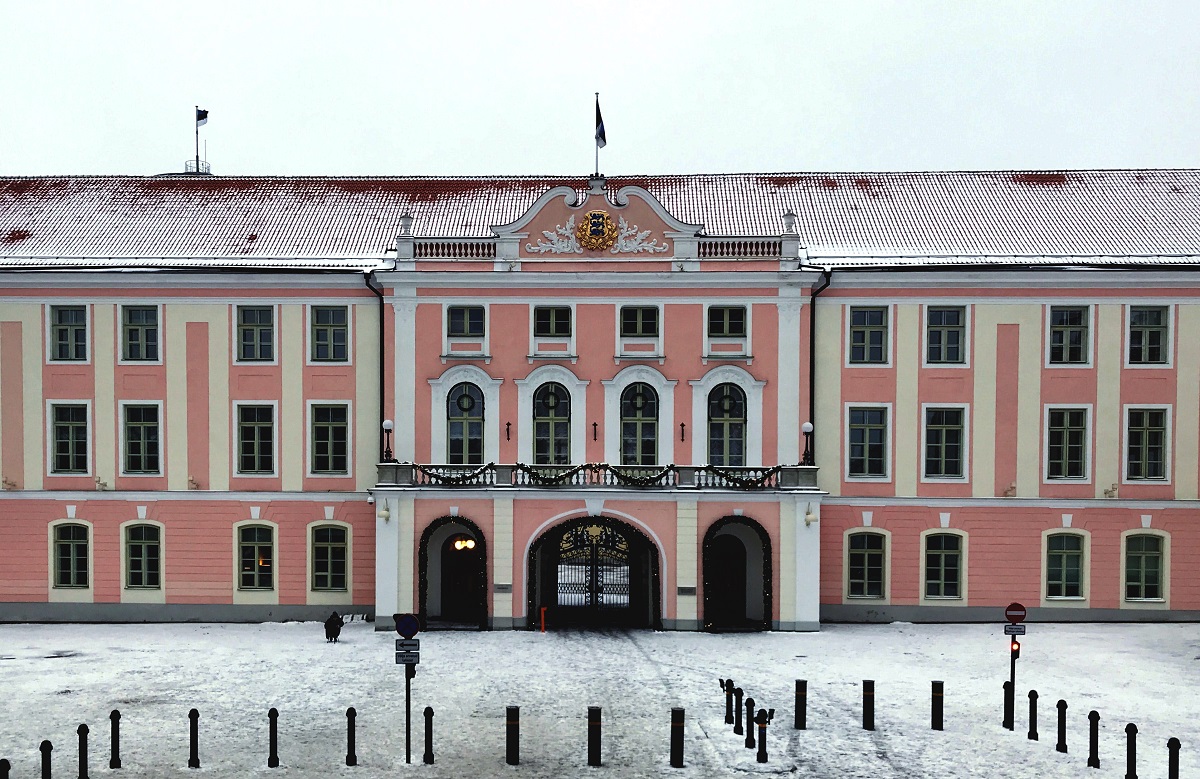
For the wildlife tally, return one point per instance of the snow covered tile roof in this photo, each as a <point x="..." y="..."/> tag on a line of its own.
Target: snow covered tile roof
<point x="352" y="221"/>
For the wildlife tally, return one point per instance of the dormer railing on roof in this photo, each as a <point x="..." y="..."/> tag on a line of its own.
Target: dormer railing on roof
<point x="464" y="249"/>
<point x="737" y="248"/>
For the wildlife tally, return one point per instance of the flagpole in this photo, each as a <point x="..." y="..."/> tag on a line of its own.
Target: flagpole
<point x="597" y="173"/>
<point x="197" y="138"/>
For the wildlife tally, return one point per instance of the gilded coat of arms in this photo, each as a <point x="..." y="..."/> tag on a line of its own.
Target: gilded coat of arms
<point x="596" y="230"/>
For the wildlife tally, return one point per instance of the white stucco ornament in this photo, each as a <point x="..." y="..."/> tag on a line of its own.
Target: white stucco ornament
<point x="630" y="240"/>
<point x="561" y="241"/>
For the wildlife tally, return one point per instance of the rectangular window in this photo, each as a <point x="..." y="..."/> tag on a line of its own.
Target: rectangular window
<point x="1068" y="335"/>
<point x="330" y="334"/>
<point x="329" y="558"/>
<point x="639" y="322"/>
<point x="256" y="333"/>
<point x="1147" y="444"/>
<point x="1148" y="335"/>
<point x="1143" y="568"/>
<point x="141" y="439"/>
<point x="68" y="333"/>
<point x="868" y="335"/>
<point x="945" y="335"/>
<point x="552" y="322"/>
<point x="256" y="555"/>
<point x="139" y="333"/>
<point x="943" y="443"/>
<point x="464" y="322"/>
<point x="868" y="442"/>
<point x="1064" y="566"/>
<point x="330" y="436"/>
<point x="943" y="555"/>
<point x="143" y="554"/>
<point x="70" y="426"/>
<point x="256" y="439"/>
<point x="727" y="322"/>
<point x="1066" y="444"/>
<point x="865" y="566"/>
<point x="70" y="556"/>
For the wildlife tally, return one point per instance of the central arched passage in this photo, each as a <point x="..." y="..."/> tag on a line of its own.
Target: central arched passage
<point x="594" y="572"/>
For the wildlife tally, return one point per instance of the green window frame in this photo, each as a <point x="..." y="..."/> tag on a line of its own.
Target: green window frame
<point x="943" y="565"/>
<point x="727" y="426"/>
<point x="552" y="321"/>
<point x="945" y="335"/>
<point x="464" y="425"/>
<point x="143" y="557"/>
<point x="1066" y="443"/>
<point x="330" y="439"/>
<point x="465" y="322"/>
<point x="727" y="321"/>
<point x="139" y="333"/>
<point x="868" y="335"/>
<point x="1064" y="566"/>
<point x="71" y="556"/>
<point x="330" y="334"/>
<point x="256" y="557"/>
<point x="329" y="546"/>
<point x="868" y="442"/>
<point x="1149" y="335"/>
<point x="256" y="440"/>
<point x="551" y="425"/>
<point x="639" y="321"/>
<point x="1144" y="567"/>
<point x="256" y="333"/>
<point x="142" y="440"/>
<point x="1146" y="444"/>
<point x="68" y="333"/>
<point x="70" y="428"/>
<point x="639" y="425"/>
<point x="1069" y="340"/>
<point x="865" y="565"/>
<point x="944" y="439"/>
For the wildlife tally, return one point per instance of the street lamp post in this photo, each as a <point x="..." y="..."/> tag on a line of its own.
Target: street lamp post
<point x="807" y="457"/>
<point x="387" y="441"/>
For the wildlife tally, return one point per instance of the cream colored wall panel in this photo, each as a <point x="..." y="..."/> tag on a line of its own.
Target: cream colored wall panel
<point x="788" y="412"/>
<point x="33" y="356"/>
<point x="175" y="363"/>
<point x="502" y="557"/>
<point x="1107" y="441"/>
<point x="293" y="416"/>
<point x="907" y="424"/>
<point x="983" y="401"/>
<point x="405" y="518"/>
<point x="366" y="395"/>
<point x="686" y="565"/>
<point x="1029" y="399"/>
<point x="105" y="418"/>
<point x="787" y="561"/>
<point x="404" y="352"/>
<point x="218" y="396"/>
<point x="1187" y="405"/>
<point x="827" y="433"/>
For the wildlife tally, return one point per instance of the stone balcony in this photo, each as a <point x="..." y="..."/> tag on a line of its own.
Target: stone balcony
<point x="598" y="476"/>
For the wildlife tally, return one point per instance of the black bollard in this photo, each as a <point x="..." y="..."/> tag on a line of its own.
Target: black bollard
<point x="868" y="704"/>
<point x="801" y="704"/>
<point x="676" y="738"/>
<point x="1033" y="734"/>
<point x="1131" y="751"/>
<point x="351" y="758"/>
<point x="763" y="716"/>
<point x="273" y="757"/>
<point x="5" y="766"/>
<point x="727" y="686"/>
<point x="1061" y="746"/>
<point x="936" y="706"/>
<point x="749" y="723"/>
<point x="1008" y="706"/>
<point x="46" y="748"/>
<point x="593" y="735"/>
<point x="194" y="754"/>
<point x="115" y="760"/>
<point x="737" y="705"/>
<point x="1093" y="760"/>
<point x="83" y="761"/>
<point x="428" y="735"/>
<point x="512" y="735"/>
<point x="1172" y="758"/>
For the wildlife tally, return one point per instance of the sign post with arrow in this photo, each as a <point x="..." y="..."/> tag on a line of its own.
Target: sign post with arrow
<point x="1015" y="614"/>
<point x="408" y="654"/>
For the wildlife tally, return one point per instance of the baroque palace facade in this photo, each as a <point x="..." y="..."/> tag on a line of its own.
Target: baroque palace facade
<point x="721" y="402"/>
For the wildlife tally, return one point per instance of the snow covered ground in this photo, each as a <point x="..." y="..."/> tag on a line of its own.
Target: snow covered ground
<point x="54" y="677"/>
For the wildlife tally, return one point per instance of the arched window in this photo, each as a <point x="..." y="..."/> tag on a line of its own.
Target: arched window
<point x="943" y="565"/>
<point x="1144" y="567"/>
<point x="551" y="425"/>
<point x="464" y="425"/>
<point x="727" y="426"/>
<point x="1064" y="565"/>
<point x="70" y="556"/>
<point x="142" y="556"/>
<point x="865" y="558"/>
<point x="639" y="425"/>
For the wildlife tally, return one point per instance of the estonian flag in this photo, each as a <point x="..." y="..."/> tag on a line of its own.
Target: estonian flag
<point x="201" y="117"/>
<point x="600" y="140"/>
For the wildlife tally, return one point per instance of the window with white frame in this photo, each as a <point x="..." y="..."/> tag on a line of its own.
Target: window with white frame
<point x="865" y="565"/>
<point x="464" y="425"/>
<point x="69" y="428"/>
<point x="1146" y="444"/>
<point x="1149" y="335"/>
<point x="329" y="558"/>
<point x="639" y="425"/>
<point x="1064" y="565"/>
<point x="143" y="555"/>
<point x="141" y="438"/>
<point x="944" y="436"/>
<point x="639" y="321"/>
<point x="255" y="333"/>
<point x="943" y="565"/>
<point x="945" y="335"/>
<point x="1069" y="329"/>
<point x="726" y="321"/>
<point x="465" y="322"/>
<point x="256" y="440"/>
<point x="68" y="333"/>
<point x="71" y="555"/>
<point x="139" y="333"/>
<point x="551" y="425"/>
<point x="1066" y="443"/>
<point x="552" y="321"/>
<point x="1144" y="569"/>
<point x="868" y="335"/>
<point x="330" y="334"/>
<point x="867" y="441"/>
<point x="727" y="426"/>
<point x="330" y="439"/>
<point x="256" y="556"/>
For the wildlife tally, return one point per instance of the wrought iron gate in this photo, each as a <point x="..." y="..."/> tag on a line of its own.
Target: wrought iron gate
<point x="593" y="569"/>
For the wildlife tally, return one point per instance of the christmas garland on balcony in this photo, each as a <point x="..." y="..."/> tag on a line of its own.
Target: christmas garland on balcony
<point x="466" y="478"/>
<point x="742" y="482"/>
<point x="537" y="474"/>
<point x="653" y="480"/>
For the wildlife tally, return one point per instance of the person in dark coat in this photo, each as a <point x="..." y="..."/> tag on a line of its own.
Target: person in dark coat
<point x="333" y="627"/>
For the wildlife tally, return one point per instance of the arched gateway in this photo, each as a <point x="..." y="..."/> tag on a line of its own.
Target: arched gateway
<point x="452" y="575"/>
<point x="737" y="576"/>
<point x="594" y="572"/>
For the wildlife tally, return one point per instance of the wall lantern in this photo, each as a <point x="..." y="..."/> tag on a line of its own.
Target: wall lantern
<point x="809" y="516"/>
<point x="384" y="514"/>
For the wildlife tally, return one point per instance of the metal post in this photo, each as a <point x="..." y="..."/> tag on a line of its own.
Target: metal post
<point x="737" y="705"/>
<point x="1093" y="760"/>
<point x="46" y="748"/>
<point x="593" y="735"/>
<point x="1008" y="706"/>
<point x="801" y="704"/>
<point x="762" y="735"/>
<point x="5" y="767"/>
<point x="83" y="761"/>
<point x="868" y="704"/>
<point x="1061" y="746"/>
<point x="273" y="757"/>
<point x="194" y="752"/>
<point x="512" y="735"/>
<point x="936" y="706"/>
<point x="1033" y="698"/>
<point x="677" y="737"/>
<point x="351" y="758"/>
<point x="1131" y="751"/>
<point x="408" y="712"/>
<point x="1172" y="758"/>
<point x="428" y="757"/>
<point x="727" y="686"/>
<point x="114" y="761"/>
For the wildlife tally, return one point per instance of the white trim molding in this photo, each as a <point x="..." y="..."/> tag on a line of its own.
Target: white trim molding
<point x="612" y="411"/>
<point x="440" y="389"/>
<point x="526" y="388"/>
<point x="728" y="374"/>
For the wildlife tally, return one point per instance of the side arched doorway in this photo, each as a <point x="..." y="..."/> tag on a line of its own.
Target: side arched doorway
<point x="736" y="567"/>
<point x="452" y="575"/>
<point x="594" y="572"/>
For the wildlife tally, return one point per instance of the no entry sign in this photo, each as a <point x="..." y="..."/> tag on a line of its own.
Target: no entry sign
<point x="1014" y="613"/>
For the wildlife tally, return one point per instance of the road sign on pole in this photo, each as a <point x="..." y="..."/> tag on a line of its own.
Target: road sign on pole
<point x="1015" y="613"/>
<point x="1014" y="630"/>
<point x="408" y="658"/>
<point x="408" y="645"/>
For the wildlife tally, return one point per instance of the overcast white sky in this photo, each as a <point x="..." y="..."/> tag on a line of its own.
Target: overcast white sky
<point x="484" y="87"/>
